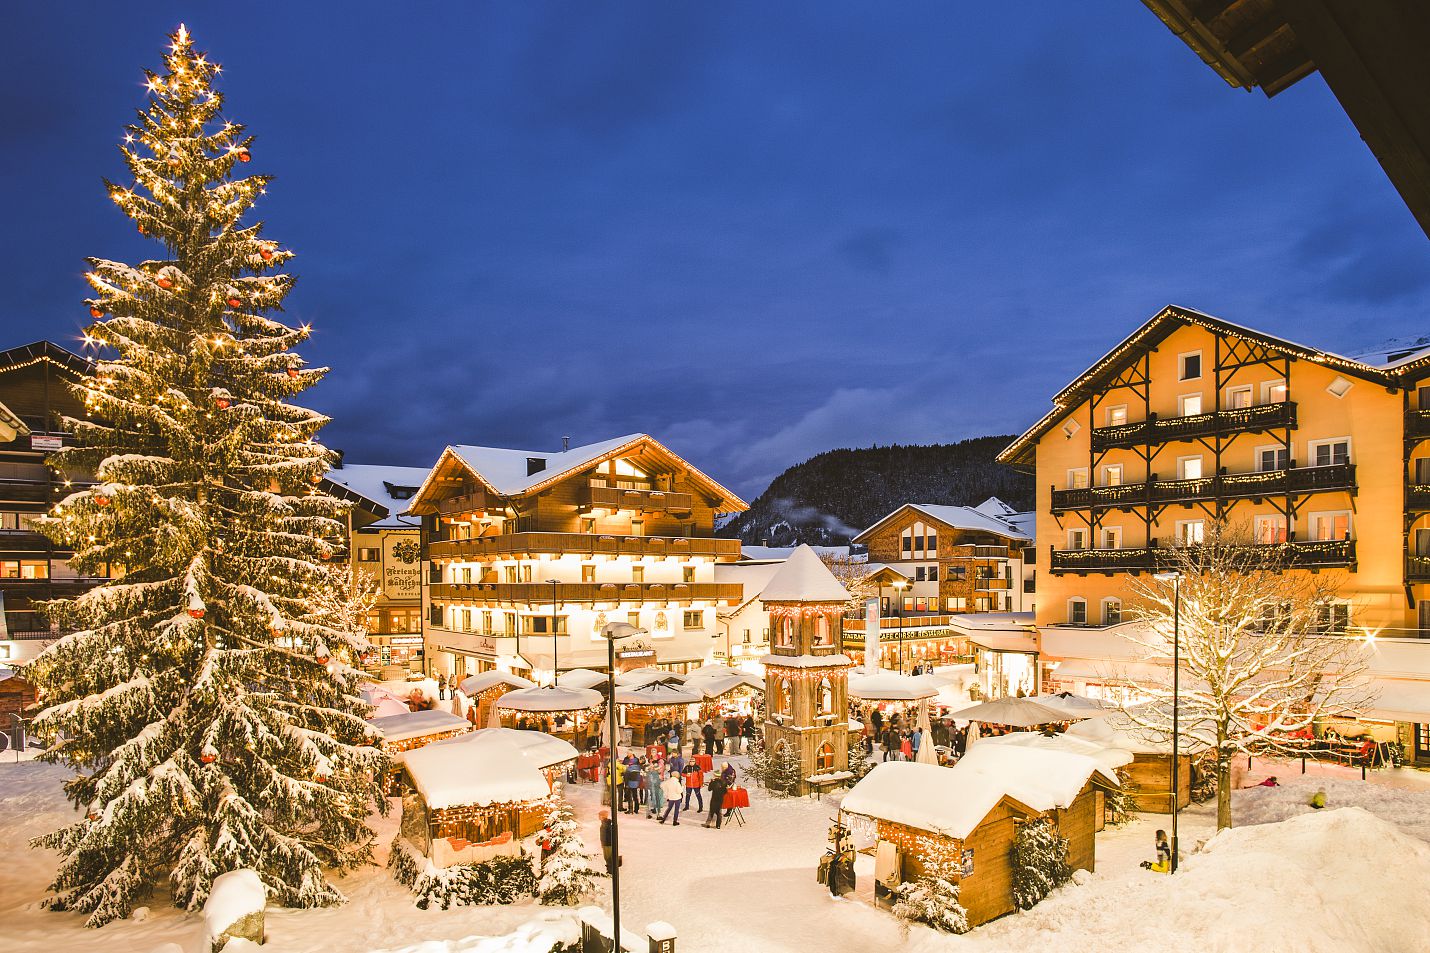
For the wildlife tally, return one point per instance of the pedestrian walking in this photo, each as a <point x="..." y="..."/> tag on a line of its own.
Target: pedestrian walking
<point x="694" y="782"/>
<point x="915" y="740"/>
<point x="630" y="781"/>
<point x="732" y="734"/>
<point x="747" y="731"/>
<point x="707" y="731"/>
<point x="906" y="747"/>
<point x="670" y="789"/>
<point x="718" y="787"/>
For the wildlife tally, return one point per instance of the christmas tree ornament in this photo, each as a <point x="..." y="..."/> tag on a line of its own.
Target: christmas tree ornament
<point x="196" y="613"/>
<point x="266" y="253"/>
<point x="293" y="373"/>
<point x="164" y="282"/>
<point x="221" y="403"/>
<point x="243" y="156"/>
<point x="101" y="500"/>
<point x="235" y="303"/>
<point x="209" y="756"/>
<point x="95" y="311"/>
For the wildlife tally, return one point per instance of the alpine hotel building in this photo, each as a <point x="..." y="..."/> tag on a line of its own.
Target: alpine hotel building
<point x="1191" y="420"/>
<point x="531" y="553"/>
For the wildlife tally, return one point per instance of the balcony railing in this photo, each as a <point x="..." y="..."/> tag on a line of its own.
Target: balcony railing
<point x="970" y="551"/>
<point x="583" y="544"/>
<point x="992" y="584"/>
<point x="1302" y="554"/>
<point x="1417" y="423"/>
<point x="466" y="503"/>
<point x="1417" y="567"/>
<point x="1417" y="496"/>
<point x="643" y="501"/>
<point x="1219" y="423"/>
<point x="1340" y="476"/>
<point x="541" y="593"/>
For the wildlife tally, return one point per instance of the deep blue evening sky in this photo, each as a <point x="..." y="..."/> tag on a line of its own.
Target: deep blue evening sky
<point x="754" y="230"/>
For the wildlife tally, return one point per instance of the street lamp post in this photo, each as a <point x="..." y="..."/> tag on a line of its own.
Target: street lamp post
<point x="1175" y="578"/>
<point x="554" y="667"/>
<point x="899" y="585"/>
<point x="613" y="632"/>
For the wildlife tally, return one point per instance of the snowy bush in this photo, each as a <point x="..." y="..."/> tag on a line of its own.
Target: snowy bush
<point x="566" y="875"/>
<point x="859" y="764"/>
<point x="782" y="771"/>
<point x="500" y="880"/>
<point x="932" y="899"/>
<point x="1039" y="862"/>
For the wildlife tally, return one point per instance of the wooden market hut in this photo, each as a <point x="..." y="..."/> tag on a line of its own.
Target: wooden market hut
<point x="1149" y="775"/>
<point x="410" y="730"/>
<point x="568" y="711"/>
<point x="484" y="688"/>
<point x="967" y="817"/>
<point x="474" y="797"/>
<point x="643" y="705"/>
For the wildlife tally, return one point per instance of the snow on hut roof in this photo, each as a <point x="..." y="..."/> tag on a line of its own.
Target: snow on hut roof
<point x="647" y="674"/>
<point x="713" y="686"/>
<point x="496" y="772"/>
<point x="1109" y="759"/>
<point x="806" y="661"/>
<point x="891" y="686"/>
<point x="580" y="678"/>
<point x="415" y="724"/>
<point x="550" y="698"/>
<point x="1116" y="730"/>
<point x="537" y="747"/>
<point x="476" y="684"/>
<point x="953" y="801"/>
<point x="804" y="578"/>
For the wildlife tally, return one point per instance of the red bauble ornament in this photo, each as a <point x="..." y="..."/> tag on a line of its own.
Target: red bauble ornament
<point x="93" y="815"/>
<point x="208" y="758"/>
<point x="174" y="162"/>
<point x="315" y="479"/>
<point x="101" y="501"/>
<point x="235" y="303"/>
<point x="244" y="156"/>
<point x="321" y="778"/>
<point x="265" y="252"/>
<point x="325" y="555"/>
<point x="221" y="404"/>
<point x="163" y="282"/>
<point x="322" y="659"/>
<point x="95" y="311"/>
<point x="293" y="373"/>
<point x="142" y="231"/>
<point x="196" y="613"/>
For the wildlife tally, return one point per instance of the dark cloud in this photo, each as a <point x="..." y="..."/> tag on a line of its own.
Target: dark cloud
<point x="758" y="230"/>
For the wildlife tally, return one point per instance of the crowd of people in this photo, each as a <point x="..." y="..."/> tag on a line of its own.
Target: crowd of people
<point x="900" y="740"/>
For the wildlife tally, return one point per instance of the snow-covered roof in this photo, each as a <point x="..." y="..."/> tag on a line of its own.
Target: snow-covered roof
<point x="378" y="484"/>
<point x="1019" y="712"/>
<point x="956" y="517"/>
<point x="804" y="578"/>
<point x="537" y="747"/>
<point x="713" y="686"/>
<point x="550" y="698"/>
<point x="493" y="771"/>
<point x="806" y="661"/>
<point x="580" y="678"/>
<point x="1109" y="759"/>
<point x="995" y="508"/>
<point x="476" y="684"/>
<point x="778" y="553"/>
<point x="1117" y="730"/>
<point x="890" y="686"/>
<point x="952" y="801"/>
<point x="647" y="674"/>
<point x="1394" y="352"/>
<point x="415" y="724"/>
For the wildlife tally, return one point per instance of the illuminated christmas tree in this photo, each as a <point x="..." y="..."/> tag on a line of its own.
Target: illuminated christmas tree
<point x="205" y="698"/>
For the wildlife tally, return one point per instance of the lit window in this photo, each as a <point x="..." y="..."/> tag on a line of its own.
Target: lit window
<point x="1111" y="611"/>
<point x="1191" y="405"/>
<point x="824" y="758"/>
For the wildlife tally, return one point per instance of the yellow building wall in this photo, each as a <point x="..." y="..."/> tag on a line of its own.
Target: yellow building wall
<point x="1368" y="414"/>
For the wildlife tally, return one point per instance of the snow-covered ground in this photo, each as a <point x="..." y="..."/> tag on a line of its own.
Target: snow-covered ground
<point x="1339" y="879"/>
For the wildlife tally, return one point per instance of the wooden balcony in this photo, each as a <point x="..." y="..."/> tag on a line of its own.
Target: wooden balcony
<point x="473" y="502"/>
<point x="515" y="545"/>
<point x="970" y="551"/>
<point x="1417" y="567"/>
<point x="1155" y="430"/>
<point x="1225" y="486"/>
<point x="539" y="593"/>
<point x="1417" y="423"/>
<point x="890" y="625"/>
<point x="27" y="541"/>
<point x="992" y="584"/>
<point x="1417" y="497"/>
<point x="640" y="501"/>
<point x="1301" y="554"/>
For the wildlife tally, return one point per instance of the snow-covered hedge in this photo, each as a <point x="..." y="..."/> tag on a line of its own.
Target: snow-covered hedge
<point x="500" y="880"/>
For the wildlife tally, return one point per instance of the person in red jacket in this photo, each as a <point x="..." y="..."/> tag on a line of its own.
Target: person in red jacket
<point x="694" y="779"/>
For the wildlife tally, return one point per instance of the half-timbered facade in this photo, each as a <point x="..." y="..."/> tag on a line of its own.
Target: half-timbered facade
<point x="1193" y="420"/>
<point x="530" y="553"/>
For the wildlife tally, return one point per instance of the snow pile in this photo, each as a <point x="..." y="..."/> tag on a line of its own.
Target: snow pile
<point x="1333" y="882"/>
<point x="234" y="896"/>
<point x="1261" y="805"/>
<point x="554" y="931"/>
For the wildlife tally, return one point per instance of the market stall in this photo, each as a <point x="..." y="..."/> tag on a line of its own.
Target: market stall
<point x="408" y="730"/>
<point x="565" y="712"/>
<point x="484" y="688"/>
<point x="1149" y="773"/>
<point x="649" y="710"/>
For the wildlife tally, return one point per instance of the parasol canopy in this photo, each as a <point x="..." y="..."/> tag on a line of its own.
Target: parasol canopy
<point x="656" y="693"/>
<point x="550" y="698"/>
<point x="887" y="686"/>
<point x="580" y="678"/>
<point x="474" y="685"/>
<point x="1016" y="712"/>
<point x="713" y="686"/>
<point x="644" y="676"/>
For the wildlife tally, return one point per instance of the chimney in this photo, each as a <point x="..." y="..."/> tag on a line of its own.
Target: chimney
<point x="338" y="462"/>
<point x="565" y="444"/>
<point x="535" y="465"/>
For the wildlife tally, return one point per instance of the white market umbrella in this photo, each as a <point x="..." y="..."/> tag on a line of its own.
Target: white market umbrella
<point x="1076" y="706"/>
<point x="459" y="704"/>
<point x="549" y="698"/>
<point x="972" y="736"/>
<point x="657" y="693"/>
<point x="474" y="685"/>
<point x="388" y="707"/>
<point x="887" y="686"/>
<point x="927" y="754"/>
<point x="494" y="717"/>
<point x="580" y="678"/>
<point x="644" y="676"/>
<point x="713" y="686"/>
<point x="1015" y="712"/>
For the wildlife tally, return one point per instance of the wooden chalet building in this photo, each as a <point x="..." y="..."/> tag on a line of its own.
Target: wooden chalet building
<point x="532" y="552"/>
<point x="34" y="395"/>
<point x="1192" y="419"/>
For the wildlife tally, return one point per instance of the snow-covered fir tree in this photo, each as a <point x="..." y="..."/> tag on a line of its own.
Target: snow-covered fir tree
<point x="1040" y="862"/>
<point x="782" y="770"/>
<point x="859" y="762"/>
<point x="206" y="697"/>
<point x="932" y="898"/>
<point x="566" y="875"/>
